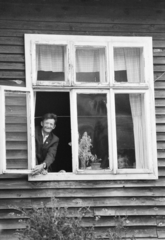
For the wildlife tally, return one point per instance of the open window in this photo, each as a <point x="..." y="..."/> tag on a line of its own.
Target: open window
<point x="16" y="146"/>
<point x="102" y="90"/>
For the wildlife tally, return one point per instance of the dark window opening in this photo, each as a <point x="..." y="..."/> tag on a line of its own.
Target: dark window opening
<point x="58" y="103"/>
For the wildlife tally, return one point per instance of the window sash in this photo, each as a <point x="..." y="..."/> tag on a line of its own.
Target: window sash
<point x="136" y="42"/>
<point x="67" y="68"/>
<point x="74" y="124"/>
<point x="92" y="46"/>
<point x="148" y="131"/>
<point x="30" y="152"/>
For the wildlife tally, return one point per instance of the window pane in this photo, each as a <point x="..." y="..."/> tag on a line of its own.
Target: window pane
<point x="131" y="138"/>
<point x="93" y="129"/>
<point x="90" y="65"/>
<point x="16" y="130"/>
<point x="129" y="65"/>
<point x="50" y="62"/>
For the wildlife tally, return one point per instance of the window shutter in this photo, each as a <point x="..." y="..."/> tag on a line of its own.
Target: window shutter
<point x="15" y="117"/>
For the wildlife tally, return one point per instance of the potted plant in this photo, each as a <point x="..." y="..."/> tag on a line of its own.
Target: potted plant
<point x="85" y="145"/>
<point x="95" y="162"/>
<point x="85" y="155"/>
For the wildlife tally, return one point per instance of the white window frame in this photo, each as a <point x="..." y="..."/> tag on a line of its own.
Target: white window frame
<point x="109" y="87"/>
<point x="30" y="136"/>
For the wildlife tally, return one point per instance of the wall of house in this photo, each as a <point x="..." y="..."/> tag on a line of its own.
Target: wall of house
<point x="142" y="201"/>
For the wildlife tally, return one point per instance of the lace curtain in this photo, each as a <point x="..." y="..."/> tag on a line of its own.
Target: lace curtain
<point x="91" y="60"/>
<point x="50" y="58"/>
<point x="129" y="59"/>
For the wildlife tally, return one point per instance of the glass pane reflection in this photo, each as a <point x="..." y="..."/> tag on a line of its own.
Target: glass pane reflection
<point x="92" y="125"/>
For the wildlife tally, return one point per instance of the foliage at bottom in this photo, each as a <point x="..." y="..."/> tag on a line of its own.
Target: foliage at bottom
<point x="58" y="223"/>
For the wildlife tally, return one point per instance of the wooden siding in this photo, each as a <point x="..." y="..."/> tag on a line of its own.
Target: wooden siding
<point x="142" y="201"/>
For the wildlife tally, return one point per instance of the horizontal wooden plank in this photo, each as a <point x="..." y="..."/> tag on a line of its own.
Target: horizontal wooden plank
<point x="16" y="145"/>
<point x="12" y="75"/>
<point x="15" y="110"/>
<point x="16" y="127"/>
<point x="5" y="204"/>
<point x="16" y="119"/>
<point x="17" y="99"/>
<point x="72" y="31"/>
<point x="159" y="53"/>
<point x="159" y="60"/>
<point x="109" y="221"/>
<point x="9" y="214"/>
<point x="160" y="128"/>
<point x="161" y="172"/>
<point x="161" y="153"/>
<point x="12" y="66"/>
<point x="12" y="224"/>
<point x="17" y="163"/>
<point x="25" y="184"/>
<point x="11" y="49"/>
<point x="161" y="162"/>
<point x="18" y="41"/>
<point x="160" y="110"/>
<point x="159" y="94"/>
<point x="159" y="68"/>
<point x="102" y="212"/>
<point x="86" y="222"/>
<point x="160" y="102"/>
<point x="159" y="85"/>
<point x="16" y="58"/>
<point x="160" y="119"/>
<point x="147" y="233"/>
<point x="161" y="233"/>
<point x="160" y="136"/>
<point x="158" y="44"/>
<point x="7" y="82"/>
<point x="85" y="202"/>
<point x="75" y="26"/>
<point x="161" y="221"/>
<point x="129" y="211"/>
<point x="128" y="192"/>
<point x="16" y="136"/>
<point x="90" y="27"/>
<point x="158" y="76"/>
<point x="100" y="233"/>
<point x="161" y="145"/>
<point x="16" y="154"/>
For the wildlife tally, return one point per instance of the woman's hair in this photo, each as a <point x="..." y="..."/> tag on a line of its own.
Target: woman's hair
<point x="50" y="116"/>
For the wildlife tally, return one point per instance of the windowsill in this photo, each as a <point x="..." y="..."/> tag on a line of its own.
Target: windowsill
<point x="94" y="176"/>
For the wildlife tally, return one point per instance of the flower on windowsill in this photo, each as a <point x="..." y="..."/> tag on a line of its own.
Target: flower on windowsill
<point x="95" y="159"/>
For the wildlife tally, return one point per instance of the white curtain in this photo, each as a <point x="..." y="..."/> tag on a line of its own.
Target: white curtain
<point x="129" y="59"/>
<point x="91" y="60"/>
<point x="50" y="58"/>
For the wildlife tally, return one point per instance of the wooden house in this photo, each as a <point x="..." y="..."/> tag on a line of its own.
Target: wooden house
<point x="95" y="43"/>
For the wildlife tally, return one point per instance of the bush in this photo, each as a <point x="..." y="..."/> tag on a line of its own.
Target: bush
<point x="56" y="223"/>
